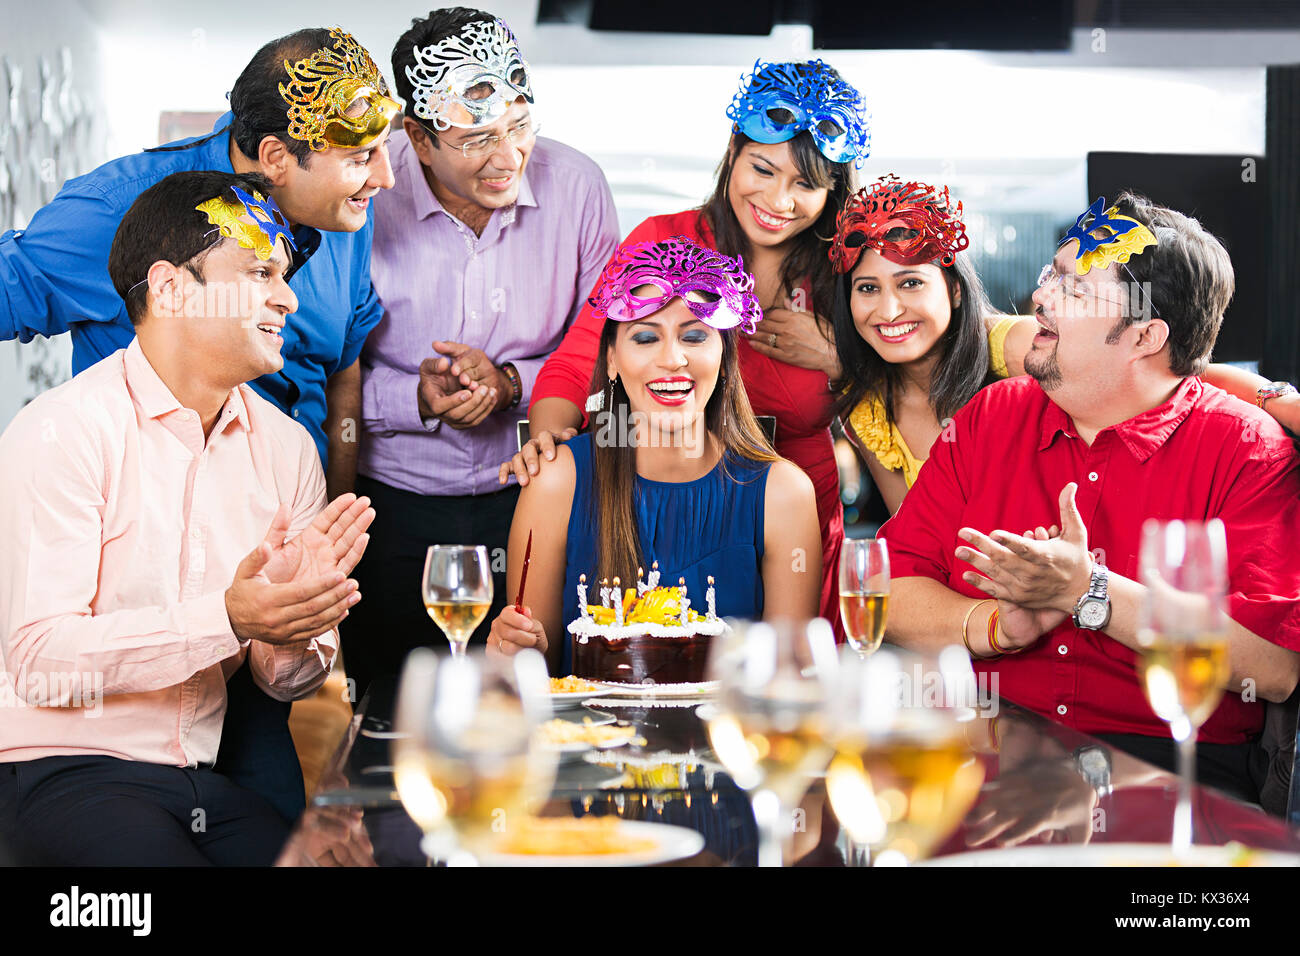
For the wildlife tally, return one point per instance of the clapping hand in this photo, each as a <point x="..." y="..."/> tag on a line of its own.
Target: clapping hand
<point x="462" y="388"/>
<point x="294" y="590"/>
<point x="1036" y="579"/>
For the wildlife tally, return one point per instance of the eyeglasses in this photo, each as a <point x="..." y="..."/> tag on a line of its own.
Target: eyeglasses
<point x="487" y="145"/>
<point x="1049" y="277"/>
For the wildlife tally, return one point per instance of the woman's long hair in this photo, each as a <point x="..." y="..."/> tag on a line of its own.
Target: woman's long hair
<point x="807" y="259"/>
<point x="728" y="417"/>
<point x="962" y="368"/>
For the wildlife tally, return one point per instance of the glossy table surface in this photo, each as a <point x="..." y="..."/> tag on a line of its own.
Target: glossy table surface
<point x="1033" y="794"/>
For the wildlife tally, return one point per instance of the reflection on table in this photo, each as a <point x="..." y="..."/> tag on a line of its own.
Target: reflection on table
<point x="1045" y="784"/>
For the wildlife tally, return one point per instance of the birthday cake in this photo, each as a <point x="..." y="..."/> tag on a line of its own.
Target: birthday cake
<point x="643" y="635"/>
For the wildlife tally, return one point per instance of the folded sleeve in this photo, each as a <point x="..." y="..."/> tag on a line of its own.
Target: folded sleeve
<point x="1260" y="517"/>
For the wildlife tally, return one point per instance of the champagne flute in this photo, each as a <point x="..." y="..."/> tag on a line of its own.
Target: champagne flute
<point x="903" y="775"/>
<point x="465" y="763"/>
<point x="864" y="592"/>
<point x="457" y="590"/>
<point x="768" y="725"/>
<point x="1183" y="632"/>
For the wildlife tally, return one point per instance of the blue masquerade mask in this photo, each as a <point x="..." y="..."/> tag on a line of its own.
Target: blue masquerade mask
<point x="777" y="101"/>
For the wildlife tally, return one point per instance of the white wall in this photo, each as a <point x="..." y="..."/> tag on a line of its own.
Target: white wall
<point x="29" y="32"/>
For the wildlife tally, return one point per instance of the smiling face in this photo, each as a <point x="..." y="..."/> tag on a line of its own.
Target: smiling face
<point x="900" y="311"/>
<point x="231" y="322"/>
<point x="771" y="199"/>
<point x="490" y="181"/>
<point x="333" y="191"/>
<point x="669" y="364"/>
<point x="1075" y="317"/>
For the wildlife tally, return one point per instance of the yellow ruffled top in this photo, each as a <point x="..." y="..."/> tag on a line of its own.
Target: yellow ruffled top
<point x="882" y="438"/>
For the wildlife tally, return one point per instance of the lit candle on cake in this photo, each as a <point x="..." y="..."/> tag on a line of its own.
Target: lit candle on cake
<point x="582" y="597"/>
<point x="604" y="592"/>
<point x="686" y="602"/>
<point x="618" y="603"/>
<point x="641" y="586"/>
<point x="709" y="597"/>
<point x="654" y="575"/>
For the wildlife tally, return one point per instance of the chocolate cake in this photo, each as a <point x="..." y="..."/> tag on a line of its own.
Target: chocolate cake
<point x="649" y="636"/>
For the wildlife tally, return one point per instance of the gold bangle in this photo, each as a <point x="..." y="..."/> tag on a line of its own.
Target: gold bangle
<point x="964" y="639"/>
<point x="994" y="624"/>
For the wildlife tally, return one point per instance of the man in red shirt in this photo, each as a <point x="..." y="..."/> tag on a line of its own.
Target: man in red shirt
<point x="1112" y="427"/>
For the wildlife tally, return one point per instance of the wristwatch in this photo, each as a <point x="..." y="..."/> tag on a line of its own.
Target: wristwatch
<point x="1092" y="613"/>
<point x="1273" y="390"/>
<point x="1093" y="764"/>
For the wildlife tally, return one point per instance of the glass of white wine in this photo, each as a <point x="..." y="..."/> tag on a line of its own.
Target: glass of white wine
<point x="768" y="726"/>
<point x="465" y="763"/>
<point x="1183" y="632"/>
<point x="457" y="590"/>
<point x="864" y="592"/>
<point x="903" y="775"/>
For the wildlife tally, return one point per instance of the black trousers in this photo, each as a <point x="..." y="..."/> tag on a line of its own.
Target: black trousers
<point x="257" y="750"/>
<point x="105" y="811"/>
<point x="390" y="620"/>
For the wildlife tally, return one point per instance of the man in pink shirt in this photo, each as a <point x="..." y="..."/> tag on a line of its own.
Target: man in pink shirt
<point x="129" y="502"/>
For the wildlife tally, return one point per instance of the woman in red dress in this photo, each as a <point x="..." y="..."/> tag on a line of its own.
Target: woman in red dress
<point x="800" y="131"/>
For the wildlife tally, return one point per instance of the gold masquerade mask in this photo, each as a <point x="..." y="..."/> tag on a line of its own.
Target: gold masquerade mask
<point x="268" y="222"/>
<point x="337" y="96"/>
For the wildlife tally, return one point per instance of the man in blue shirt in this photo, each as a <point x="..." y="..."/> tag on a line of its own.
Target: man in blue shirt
<point x="325" y="162"/>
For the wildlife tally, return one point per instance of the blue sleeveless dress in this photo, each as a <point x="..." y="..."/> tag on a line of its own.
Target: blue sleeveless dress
<point x="710" y="526"/>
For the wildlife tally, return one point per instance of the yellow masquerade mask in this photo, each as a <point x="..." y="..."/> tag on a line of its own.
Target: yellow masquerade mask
<point x="268" y="222"/>
<point x="337" y="96"/>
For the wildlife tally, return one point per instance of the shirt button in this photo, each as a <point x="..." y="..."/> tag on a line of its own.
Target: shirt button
<point x="295" y="413"/>
<point x="1061" y="709"/>
<point x="1062" y="649"/>
<point x="1092" y="476"/>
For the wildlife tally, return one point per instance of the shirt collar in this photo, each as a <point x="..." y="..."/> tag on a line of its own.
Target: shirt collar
<point x="1142" y="434"/>
<point x="426" y="203"/>
<point x="156" y="399"/>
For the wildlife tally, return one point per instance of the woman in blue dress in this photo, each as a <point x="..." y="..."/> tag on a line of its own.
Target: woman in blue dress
<point x="674" y="468"/>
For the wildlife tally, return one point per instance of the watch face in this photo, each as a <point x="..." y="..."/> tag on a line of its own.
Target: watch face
<point x="1093" y="613"/>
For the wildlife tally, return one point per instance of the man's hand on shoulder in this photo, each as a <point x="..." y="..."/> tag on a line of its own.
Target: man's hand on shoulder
<point x="289" y="591"/>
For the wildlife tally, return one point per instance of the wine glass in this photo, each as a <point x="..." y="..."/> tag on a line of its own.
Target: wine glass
<point x="464" y="760"/>
<point x="768" y="725"/>
<point x="903" y="775"/>
<point x="457" y="590"/>
<point x="1183" y="633"/>
<point x="864" y="592"/>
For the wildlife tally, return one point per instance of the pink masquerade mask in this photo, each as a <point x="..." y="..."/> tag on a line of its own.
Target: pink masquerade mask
<point x="716" y="288"/>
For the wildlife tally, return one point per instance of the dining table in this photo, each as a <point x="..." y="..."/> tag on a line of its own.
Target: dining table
<point x="1037" y="793"/>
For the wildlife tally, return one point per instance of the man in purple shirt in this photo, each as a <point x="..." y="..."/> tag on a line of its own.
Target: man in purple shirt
<point x="484" y="252"/>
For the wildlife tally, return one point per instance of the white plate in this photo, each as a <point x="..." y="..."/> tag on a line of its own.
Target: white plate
<point x="578" y="747"/>
<point x="671" y="843"/>
<point x="1116" y="854"/>
<point x="702" y="689"/>
<point x="575" y="698"/>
